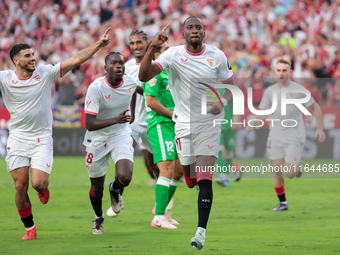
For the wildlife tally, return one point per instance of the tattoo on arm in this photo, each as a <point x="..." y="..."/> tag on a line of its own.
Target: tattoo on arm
<point x="84" y="54"/>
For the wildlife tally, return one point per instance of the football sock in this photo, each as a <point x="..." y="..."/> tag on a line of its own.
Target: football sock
<point x="117" y="184"/>
<point x="191" y="182"/>
<point x="121" y="190"/>
<point x="26" y="216"/>
<point x="280" y="191"/>
<point x="204" y="202"/>
<point x="172" y="188"/>
<point x="162" y="194"/>
<point x="96" y="201"/>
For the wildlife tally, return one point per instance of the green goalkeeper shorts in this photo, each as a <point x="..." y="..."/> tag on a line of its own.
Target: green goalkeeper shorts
<point x="228" y="139"/>
<point x="162" y="139"/>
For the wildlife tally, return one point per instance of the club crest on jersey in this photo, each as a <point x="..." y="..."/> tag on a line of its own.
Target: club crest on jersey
<point x="211" y="62"/>
<point x="129" y="90"/>
<point x="152" y="82"/>
<point x="88" y="103"/>
<point x="37" y="78"/>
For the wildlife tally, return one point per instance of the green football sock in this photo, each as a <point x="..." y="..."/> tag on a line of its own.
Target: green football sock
<point x="172" y="188"/>
<point x="162" y="194"/>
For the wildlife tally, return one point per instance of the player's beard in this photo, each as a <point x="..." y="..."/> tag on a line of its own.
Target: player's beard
<point x="26" y="68"/>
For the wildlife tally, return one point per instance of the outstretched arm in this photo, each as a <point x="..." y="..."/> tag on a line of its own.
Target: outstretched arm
<point x="86" y="54"/>
<point x="148" y="70"/>
<point x="319" y="127"/>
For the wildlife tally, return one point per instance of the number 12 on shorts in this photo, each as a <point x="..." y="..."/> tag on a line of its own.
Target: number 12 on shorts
<point x="169" y="146"/>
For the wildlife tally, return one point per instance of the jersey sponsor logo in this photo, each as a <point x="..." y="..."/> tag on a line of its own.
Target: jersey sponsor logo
<point x="107" y="97"/>
<point x="184" y="60"/>
<point x="88" y="103"/>
<point x="14" y="82"/>
<point x="211" y="62"/>
<point x="129" y="90"/>
<point x="152" y="82"/>
<point x="37" y="78"/>
<point x="48" y="165"/>
<point x="210" y="147"/>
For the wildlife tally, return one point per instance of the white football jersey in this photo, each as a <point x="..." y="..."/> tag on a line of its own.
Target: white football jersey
<point x="191" y="76"/>
<point x="29" y="101"/>
<point x="106" y="101"/>
<point x="277" y="130"/>
<point x="132" y="68"/>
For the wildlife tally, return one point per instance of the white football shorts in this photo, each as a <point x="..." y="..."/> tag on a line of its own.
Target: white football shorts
<point x="201" y="140"/>
<point x="290" y="152"/>
<point x="98" y="159"/>
<point x="35" y="154"/>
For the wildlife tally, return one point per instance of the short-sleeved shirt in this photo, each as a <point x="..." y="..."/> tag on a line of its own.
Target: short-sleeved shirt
<point x="159" y="88"/>
<point x="106" y="101"/>
<point x="132" y="68"/>
<point x="190" y="76"/>
<point x="277" y="130"/>
<point x="29" y="101"/>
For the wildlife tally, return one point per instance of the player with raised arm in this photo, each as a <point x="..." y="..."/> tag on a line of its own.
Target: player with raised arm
<point x="108" y="135"/>
<point x="138" y="43"/>
<point x="161" y="131"/>
<point x="197" y="139"/>
<point x="285" y="144"/>
<point x="27" y="96"/>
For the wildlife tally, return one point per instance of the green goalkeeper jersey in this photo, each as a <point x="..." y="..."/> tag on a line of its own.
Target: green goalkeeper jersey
<point x="228" y="113"/>
<point x="159" y="88"/>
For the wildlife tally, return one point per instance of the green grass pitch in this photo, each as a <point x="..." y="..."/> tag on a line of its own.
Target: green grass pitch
<point x="241" y="220"/>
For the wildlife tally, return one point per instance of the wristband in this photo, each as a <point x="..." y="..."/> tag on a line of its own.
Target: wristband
<point x="224" y="101"/>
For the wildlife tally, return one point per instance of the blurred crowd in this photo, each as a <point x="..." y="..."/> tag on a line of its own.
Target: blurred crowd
<point x="252" y="33"/>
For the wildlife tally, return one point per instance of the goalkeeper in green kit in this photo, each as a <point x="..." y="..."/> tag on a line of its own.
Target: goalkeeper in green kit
<point x="227" y="147"/>
<point x="161" y="132"/>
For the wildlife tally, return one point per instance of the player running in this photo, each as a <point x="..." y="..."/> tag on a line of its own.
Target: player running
<point x="197" y="140"/>
<point x="161" y="131"/>
<point x="138" y="43"/>
<point x="285" y="144"/>
<point x="27" y="96"/>
<point x="108" y="135"/>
